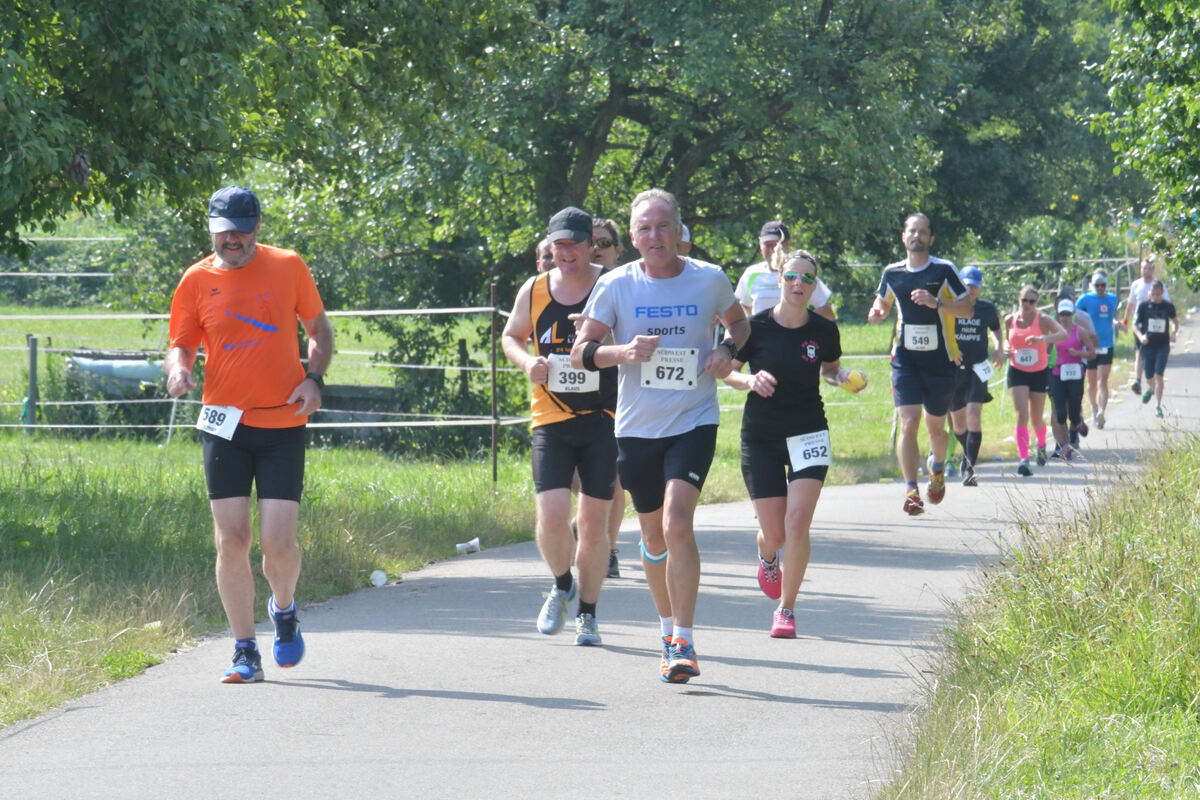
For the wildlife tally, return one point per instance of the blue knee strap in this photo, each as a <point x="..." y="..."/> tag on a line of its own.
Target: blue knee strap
<point x="658" y="559"/>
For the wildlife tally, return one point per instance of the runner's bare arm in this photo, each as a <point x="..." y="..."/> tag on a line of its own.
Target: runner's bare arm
<point x="178" y="366"/>
<point x="515" y="339"/>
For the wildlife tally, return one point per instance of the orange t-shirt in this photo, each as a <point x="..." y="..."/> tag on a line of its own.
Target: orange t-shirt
<point x="246" y="319"/>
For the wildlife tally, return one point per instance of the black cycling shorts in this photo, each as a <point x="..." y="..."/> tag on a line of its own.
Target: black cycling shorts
<point x="583" y="443"/>
<point x="767" y="468"/>
<point x="646" y="465"/>
<point x="1037" y="381"/>
<point x="271" y="459"/>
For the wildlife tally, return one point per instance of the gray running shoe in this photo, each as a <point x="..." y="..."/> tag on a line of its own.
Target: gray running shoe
<point x="969" y="478"/>
<point x="614" y="566"/>
<point x="554" y="610"/>
<point x="586" y="631"/>
<point x="1023" y="469"/>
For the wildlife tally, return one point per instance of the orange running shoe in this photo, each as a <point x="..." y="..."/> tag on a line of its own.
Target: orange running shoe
<point x="912" y="503"/>
<point x="682" y="664"/>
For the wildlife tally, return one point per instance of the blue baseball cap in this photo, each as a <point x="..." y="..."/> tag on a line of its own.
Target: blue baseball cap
<point x="234" y="208"/>
<point x="971" y="276"/>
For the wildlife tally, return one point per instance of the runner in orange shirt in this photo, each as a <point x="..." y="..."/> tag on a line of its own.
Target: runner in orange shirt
<point x="241" y="303"/>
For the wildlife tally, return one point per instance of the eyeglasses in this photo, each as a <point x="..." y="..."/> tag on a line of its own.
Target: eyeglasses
<point x="1030" y="300"/>
<point x="1100" y="285"/>
<point x="602" y="243"/>
<point x="805" y="277"/>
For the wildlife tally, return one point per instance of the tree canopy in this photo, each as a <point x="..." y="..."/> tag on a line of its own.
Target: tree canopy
<point x="414" y="150"/>
<point x="1154" y="125"/>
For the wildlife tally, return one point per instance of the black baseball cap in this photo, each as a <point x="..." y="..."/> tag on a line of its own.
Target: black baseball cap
<point x="570" y="223"/>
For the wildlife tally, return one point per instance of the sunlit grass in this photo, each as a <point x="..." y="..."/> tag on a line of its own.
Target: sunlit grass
<point x="106" y="548"/>
<point x="1073" y="672"/>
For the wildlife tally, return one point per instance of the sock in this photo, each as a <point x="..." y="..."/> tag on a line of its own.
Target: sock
<point x="911" y="486"/>
<point x="247" y="644"/>
<point x="1041" y="436"/>
<point x="974" y="441"/>
<point x="587" y="608"/>
<point x="668" y="625"/>
<point x="1022" y="435"/>
<point x="564" y="581"/>
<point x="683" y="633"/>
<point x="962" y="439"/>
<point x="275" y="609"/>
<point x="937" y="466"/>
<point x="766" y="562"/>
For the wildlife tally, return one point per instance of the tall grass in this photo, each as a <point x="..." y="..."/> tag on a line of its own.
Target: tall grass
<point x="107" y="555"/>
<point x="1074" y="671"/>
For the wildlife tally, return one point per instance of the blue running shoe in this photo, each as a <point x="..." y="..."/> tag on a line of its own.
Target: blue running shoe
<point x="682" y="664"/>
<point x="246" y="666"/>
<point x="289" y="644"/>
<point x="664" y="666"/>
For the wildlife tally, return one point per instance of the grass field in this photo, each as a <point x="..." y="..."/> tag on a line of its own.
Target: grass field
<point x="106" y="544"/>
<point x="1073" y="671"/>
<point x="107" y="553"/>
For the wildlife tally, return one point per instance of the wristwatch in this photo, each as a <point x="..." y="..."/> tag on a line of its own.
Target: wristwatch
<point x="317" y="379"/>
<point x="731" y="346"/>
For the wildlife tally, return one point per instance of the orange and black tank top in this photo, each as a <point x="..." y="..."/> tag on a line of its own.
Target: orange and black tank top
<point x="554" y="335"/>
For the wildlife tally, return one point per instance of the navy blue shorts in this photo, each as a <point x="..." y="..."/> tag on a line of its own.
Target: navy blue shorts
<point x="913" y="387"/>
<point x="271" y="459"/>
<point x="1154" y="360"/>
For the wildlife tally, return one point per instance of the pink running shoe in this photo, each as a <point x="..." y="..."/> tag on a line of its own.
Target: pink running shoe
<point x="768" y="578"/>
<point x="783" y="625"/>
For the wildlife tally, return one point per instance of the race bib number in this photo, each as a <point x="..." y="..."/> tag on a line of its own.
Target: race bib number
<point x="219" y="420"/>
<point x="1101" y="351"/>
<point x="920" y="338"/>
<point x="565" y="379"/>
<point x="1070" y="372"/>
<point x="810" y="450"/>
<point x="1156" y="325"/>
<point x="1025" y="357"/>
<point x="984" y="370"/>
<point x="672" y="368"/>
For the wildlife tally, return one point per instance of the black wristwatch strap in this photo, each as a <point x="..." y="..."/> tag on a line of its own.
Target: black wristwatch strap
<point x="317" y="379"/>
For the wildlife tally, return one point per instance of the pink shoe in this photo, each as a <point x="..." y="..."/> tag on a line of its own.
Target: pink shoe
<point x="783" y="625"/>
<point x="768" y="578"/>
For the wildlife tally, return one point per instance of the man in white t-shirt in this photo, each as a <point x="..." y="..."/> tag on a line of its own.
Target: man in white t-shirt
<point x="756" y="293"/>
<point x="660" y="311"/>
<point x="1139" y="292"/>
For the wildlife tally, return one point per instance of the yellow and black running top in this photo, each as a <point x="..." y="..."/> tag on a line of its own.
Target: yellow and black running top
<point x="554" y="334"/>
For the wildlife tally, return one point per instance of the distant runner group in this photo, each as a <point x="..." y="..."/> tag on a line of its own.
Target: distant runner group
<point x="623" y="361"/>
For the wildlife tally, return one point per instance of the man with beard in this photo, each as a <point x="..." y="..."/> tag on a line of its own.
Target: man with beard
<point x="928" y="295"/>
<point x="242" y="303"/>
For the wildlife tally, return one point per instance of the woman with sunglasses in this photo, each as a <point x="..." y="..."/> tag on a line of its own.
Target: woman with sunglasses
<point x="606" y="251"/>
<point x="1066" y="377"/>
<point x="785" y="439"/>
<point x="1028" y="334"/>
<point x="606" y="242"/>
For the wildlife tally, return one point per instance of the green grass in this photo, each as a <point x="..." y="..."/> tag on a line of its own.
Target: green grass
<point x="1073" y="672"/>
<point x="359" y="345"/>
<point x="107" y="553"/>
<point x="106" y="545"/>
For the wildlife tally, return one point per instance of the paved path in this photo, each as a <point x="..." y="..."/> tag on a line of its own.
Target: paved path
<point x="440" y="686"/>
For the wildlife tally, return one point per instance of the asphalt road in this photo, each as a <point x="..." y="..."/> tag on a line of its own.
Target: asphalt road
<point x="440" y="685"/>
